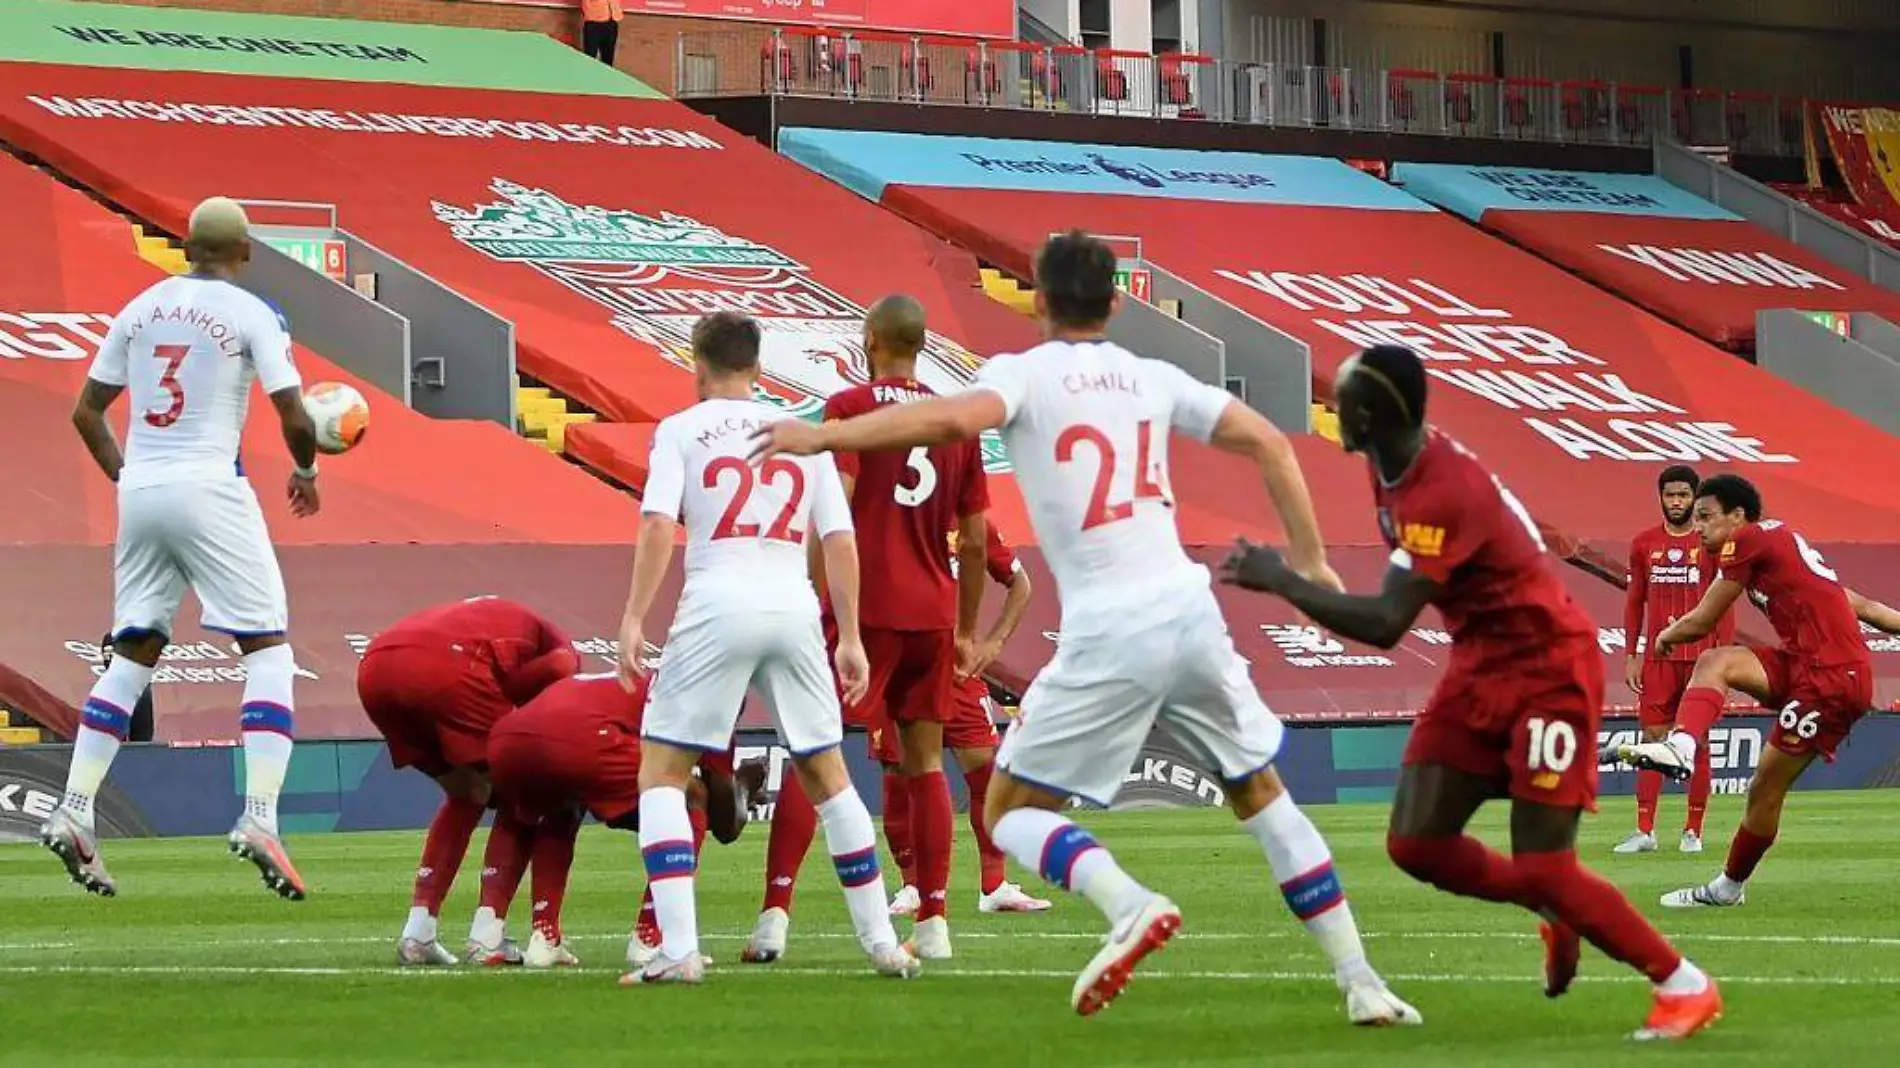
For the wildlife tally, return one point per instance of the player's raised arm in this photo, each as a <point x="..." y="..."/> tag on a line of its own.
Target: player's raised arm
<point x="104" y="382"/>
<point x="1380" y="619"/>
<point x="831" y="522"/>
<point x="659" y="524"/>
<point x="1702" y="619"/>
<point x="1873" y="613"/>
<point x="924" y="422"/>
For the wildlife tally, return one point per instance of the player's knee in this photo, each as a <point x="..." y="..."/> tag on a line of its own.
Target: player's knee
<point x="248" y="645"/>
<point x="142" y="649"/>
<point x="1251" y="795"/>
<point x="1417" y="857"/>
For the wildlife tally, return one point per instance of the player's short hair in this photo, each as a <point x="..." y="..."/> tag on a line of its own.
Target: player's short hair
<point x="1076" y="274"/>
<point x="898" y="323"/>
<point x="1731" y="492"/>
<point x="218" y="230"/>
<point x="1682" y="473"/>
<point x="727" y="341"/>
<point x="1401" y="374"/>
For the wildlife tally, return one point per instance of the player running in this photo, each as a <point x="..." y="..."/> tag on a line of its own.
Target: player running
<point x="1517" y="709"/>
<point x="1142" y="638"/>
<point x="435" y="684"/>
<point x="747" y="619"/>
<point x="188" y="349"/>
<point x="575" y="749"/>
<point x="971" y="737"/>
<point x="1668" y="571"/>
<point x="1821" y="677"/>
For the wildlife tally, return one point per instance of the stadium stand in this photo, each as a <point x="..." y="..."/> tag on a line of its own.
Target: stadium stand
<point x="1664" y="249"/>
<point x="1840" y="205"/>
<point x="426" y="510"/>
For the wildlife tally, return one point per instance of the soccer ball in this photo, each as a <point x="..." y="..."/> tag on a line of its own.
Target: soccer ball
<point x="341" y="415"/>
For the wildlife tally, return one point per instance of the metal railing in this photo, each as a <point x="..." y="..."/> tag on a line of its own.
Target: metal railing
<point x="1019" y="75"/>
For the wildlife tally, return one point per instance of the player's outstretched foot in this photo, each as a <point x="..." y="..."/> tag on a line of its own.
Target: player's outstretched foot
<point x="415" y="953"/>
<point x="503" y="954"/>
<point x="250" y="841"/>
<point x="1677" y="1016"/>
<point x="1562" y="952"/>
<point x="664" y="969"/>
<point x="1145" y="930"/>
<point x="1010" y="898"/>
<point x="1691" y="842"/>
<point x="1660" y="756"/>
<point x="930" y="940"/>
<point x="895" y="962"/>
<point x="1640" y="842"/>
<point x="767" y="943"/>
<point x="548" y="952"/>
<point x="78" y="849"/>
<point x="1701" y="897"/>
<point x="1372" y="1005"/>
<point x="906" y="901"/>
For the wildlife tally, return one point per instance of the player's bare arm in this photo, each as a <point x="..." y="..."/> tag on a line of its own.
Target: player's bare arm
<point x="1245" y="432"/>
<point x="1874" y="614"/>
<point x="973" y="533"/>
<point x="1380" y="620"/>
<point x="650" y="560"/>
<point x="1015" y="605"/>
<point x="924" y="422"/>
<point x="89" y="418"/>
<point x="726" y="801"/>
<point x="1701" y="620"/>
<point x="841" y="571"/>
<point x="1635" y="601"/>
<point x="815" y="547"/>
<point x="300" y="434"/>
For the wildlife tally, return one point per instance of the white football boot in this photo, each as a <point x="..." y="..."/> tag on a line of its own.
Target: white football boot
<point x="906" y="901"/>
<point x="78" y="848"/>
<point x="1691" y="842"/>
<point x="1640" y="842"/>
<point x="767" y="943"/>
<point x="930" y="939"/>
<point x="1010" y="898"/>
<point x="1372" y="1005"/>
<point x="1701" y="897"/>
<point x="1142" y="932"/>
<point x="415" y="953"/>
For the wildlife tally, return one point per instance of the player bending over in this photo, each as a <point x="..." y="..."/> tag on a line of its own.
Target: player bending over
<point x="435" y="684"/>
<point x="747" y="619"/>
<point x="1668" y="572"/>
<point x="971" y="737"/>
<point x="1821" y="677"/>
<point x="1086" y="424"/>
<point x="1517" y="709"/>
<point x="188" y="349"/>
<point x="575" y="749"/>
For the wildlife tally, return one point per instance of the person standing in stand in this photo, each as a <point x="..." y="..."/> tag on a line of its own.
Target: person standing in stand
<point x="600" y="29"/>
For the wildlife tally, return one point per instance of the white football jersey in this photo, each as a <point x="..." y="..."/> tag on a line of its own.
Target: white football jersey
<point x="1087" y="432"/>
<point x="186" y="351"/>
<point x="746" y="524"/>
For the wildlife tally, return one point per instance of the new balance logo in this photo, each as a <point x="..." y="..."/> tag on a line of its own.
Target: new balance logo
<point x="1310" y="647"/>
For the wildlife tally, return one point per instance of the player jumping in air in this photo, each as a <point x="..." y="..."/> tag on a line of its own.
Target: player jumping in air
<point x="1668" y="570"/>
<point x="1516" y="713"/>
<point x="747" y="620"/>
<point x="1821" y="678"/>
<point x="435" y="683"/>
<point x="1142" y="639"/>
<point x="187" y="350"/>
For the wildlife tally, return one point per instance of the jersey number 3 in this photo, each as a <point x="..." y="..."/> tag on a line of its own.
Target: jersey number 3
<point x="1100" y="511"/>
<point x="171" y="356"/>
<point x="781" y="528"/>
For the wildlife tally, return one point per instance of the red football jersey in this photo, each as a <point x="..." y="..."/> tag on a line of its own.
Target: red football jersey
<point x="1668" y="574"/>
<point x="1799" y="592"/>
<point x="1450" y="520"/>
<point x="506" y="633"/>
<point x="1003" y="566"/>
<point x="903" y="502"/>
<point x="594" y="706"/>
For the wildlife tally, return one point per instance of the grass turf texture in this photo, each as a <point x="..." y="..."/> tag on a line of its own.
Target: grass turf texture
<point x="196" y="964"/>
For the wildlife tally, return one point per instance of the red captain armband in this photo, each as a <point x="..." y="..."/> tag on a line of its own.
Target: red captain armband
<point x="526" y="682"/>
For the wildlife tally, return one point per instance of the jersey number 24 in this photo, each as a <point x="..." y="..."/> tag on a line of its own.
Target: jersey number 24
<point x="1101" y="511"/>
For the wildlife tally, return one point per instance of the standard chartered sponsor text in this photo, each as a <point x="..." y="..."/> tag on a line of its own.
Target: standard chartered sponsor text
<point x="370" y="122"/>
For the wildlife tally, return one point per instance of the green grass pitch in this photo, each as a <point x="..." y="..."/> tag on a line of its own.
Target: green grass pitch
<point x="195" y="964"/>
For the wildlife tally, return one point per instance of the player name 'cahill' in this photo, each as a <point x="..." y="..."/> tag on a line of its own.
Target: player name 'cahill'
<point x="1105" y="382"/>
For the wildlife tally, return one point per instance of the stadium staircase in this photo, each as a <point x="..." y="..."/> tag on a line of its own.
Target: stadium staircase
<point x="1007" y="291"/>
<point x="11" y="734"/>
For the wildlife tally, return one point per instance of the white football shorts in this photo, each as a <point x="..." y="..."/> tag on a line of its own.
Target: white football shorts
<point x="713" y="658"/>
<point x="1085" y="719"/>
<point x="209" y="536"/>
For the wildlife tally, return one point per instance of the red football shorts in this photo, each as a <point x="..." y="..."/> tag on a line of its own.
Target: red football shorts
<point x="971" y="726"/>
<point x="913" y="673"/>
<point x="1529" y="727"/>
<point x="1664" y="683"/>
<point x="540" y="773"/>
<point x="867" y="714"/>
<point x="434" y="707"/>
<point x="1816" y="704"/>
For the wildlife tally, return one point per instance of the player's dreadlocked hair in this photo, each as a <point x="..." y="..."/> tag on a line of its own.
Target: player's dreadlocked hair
<point x="1682" y="473"/>
<point x="1399" y="371"/>
<point x="1732" y="492"/>
<point x="1076" y="274"/>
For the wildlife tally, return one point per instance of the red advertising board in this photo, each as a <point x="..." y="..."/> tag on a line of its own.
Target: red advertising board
<point x="972" y="18"/>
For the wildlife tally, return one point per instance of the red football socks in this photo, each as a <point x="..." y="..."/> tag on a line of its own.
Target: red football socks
<point x="794" y="822"/>
<point x="933" y="821"/>
<point x="1596" y="910"/>
<point x="1701" y="706"/>
<point x="1461" y="865"/>
<point x="1701" y="784"/>
<point x="1745" y="852"/>
<point x="504" y="861"/>
<point x="897" y="825"/>
<point x="443" y="850"/>
<point x="553" y="859"/>
<point x="988" y="855"/>
<point x="1648" y="793"/>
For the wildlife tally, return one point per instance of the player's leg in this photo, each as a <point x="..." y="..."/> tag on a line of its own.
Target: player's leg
<point x="996" y="892"/>
<point x="918" y="701"/>
<point x="464" y="798"/>
<point x="553" y="859"/>
<point x="888" y="752"/>
<point x="1717" y="671"/>
<point x="1655" y="711"/>
<point x="1761" y="823"/>
<point x="512" y="840"/>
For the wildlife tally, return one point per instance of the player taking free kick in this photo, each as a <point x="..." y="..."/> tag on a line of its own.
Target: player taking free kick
<point x="1087" y="425"/>
<point x="747" y="619"/>
<point x="1516" y="712"/>
<point x="1821" y="678"/>
<point x="187" y="350"/>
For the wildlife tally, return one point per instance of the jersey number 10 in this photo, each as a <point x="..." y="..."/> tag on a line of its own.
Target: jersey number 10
<point x="1100" y="511"/>
<point x="781" y="528"/>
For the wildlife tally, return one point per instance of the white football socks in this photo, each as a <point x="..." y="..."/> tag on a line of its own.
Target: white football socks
<point x="420" y="925"/>
<point x="851" y="840"/>
<point x="103" y="726"/>
<point x="269" y="722"/>
<point x="1069" y="857"/>
<point x="666" y="845"/>
<point x="488" y="929"/>
<point x="1303" y="866"/>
